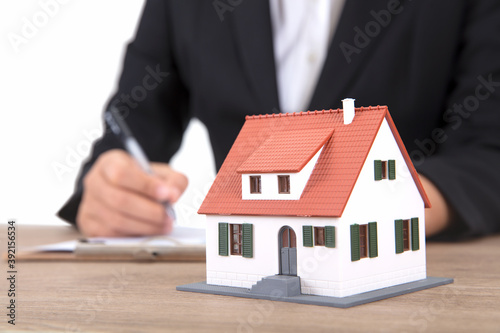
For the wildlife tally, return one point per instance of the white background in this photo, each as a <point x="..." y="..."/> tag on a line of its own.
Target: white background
<point x="53" y="87"/>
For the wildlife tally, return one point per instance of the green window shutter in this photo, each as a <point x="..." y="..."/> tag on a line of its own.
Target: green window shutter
<point x="355" y="251"/>
<point x="330" y="236"/>
<point x="378" y="169"/>
<point x="372" y="234"/>
<point x="392" y="169"/>
<point x="223" y="239"/>
<point x="398" y="226"/>
<point x="415" y="239"/>
<point x="307" y="231"/>
<point x="247" y="240"/>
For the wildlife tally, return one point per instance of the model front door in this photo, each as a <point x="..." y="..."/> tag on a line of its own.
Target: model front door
<point x="288" y="251"/>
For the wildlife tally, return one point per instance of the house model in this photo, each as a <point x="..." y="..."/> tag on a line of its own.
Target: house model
<point x="323" y="203"/>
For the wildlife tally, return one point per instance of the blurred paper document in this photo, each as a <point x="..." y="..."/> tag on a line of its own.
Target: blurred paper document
<point x="183" y="244"/>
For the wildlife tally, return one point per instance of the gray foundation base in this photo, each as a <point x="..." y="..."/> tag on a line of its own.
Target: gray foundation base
<point x="338" y="302"/>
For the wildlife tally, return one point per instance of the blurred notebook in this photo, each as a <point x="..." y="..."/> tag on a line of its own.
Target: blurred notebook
<point x="183" y="244"/>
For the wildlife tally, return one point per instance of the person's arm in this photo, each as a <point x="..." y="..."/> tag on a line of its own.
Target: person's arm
<point x="466" y="168"/>
<point x="152" y="98"/>
<point x="438" y="217"/>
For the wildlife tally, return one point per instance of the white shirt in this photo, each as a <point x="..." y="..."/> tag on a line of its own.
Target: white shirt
<point x="302" y="31"/>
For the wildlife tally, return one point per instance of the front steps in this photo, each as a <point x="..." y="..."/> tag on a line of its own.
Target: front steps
<point x="277" y="286"/>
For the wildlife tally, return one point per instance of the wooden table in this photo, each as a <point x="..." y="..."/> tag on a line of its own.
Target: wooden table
<point x="138" y="297"/>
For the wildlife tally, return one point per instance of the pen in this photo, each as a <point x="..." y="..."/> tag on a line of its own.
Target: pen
<point x="122" y="131"/>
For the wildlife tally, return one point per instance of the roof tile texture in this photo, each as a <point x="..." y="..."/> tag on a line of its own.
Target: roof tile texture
<point x="267" y="143"/>
<point x="287" y="150"/>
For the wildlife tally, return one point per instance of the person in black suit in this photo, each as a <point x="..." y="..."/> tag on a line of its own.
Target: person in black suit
<point x="436" y="64"/>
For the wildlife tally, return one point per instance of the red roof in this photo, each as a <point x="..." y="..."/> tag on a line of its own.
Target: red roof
<point x="286" y="151"/>
<point x="285" y="143"/>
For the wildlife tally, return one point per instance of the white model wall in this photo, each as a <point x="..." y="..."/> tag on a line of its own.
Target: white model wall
<point x="234" y="270"/>
<point x="383" y="202"/>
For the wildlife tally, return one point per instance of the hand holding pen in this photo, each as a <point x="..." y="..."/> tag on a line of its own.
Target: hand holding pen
<point x="125" y="195"/>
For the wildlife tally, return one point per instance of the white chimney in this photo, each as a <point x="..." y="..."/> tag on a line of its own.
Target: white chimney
<point x="348" y="106"/>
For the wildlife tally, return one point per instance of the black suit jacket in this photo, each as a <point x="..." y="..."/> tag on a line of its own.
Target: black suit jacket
<point x="436" y="64"/>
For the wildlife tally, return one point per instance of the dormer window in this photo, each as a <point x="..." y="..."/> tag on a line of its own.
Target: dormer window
<point x="284" y="184"/>
<point x="255" y="185"/>
<point x="268" y="184"/>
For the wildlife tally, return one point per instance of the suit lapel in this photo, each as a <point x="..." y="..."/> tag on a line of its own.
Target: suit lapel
<point x="344" y="63"/>
<point x="346" y="58"/>
<point x="254" y="38"/>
